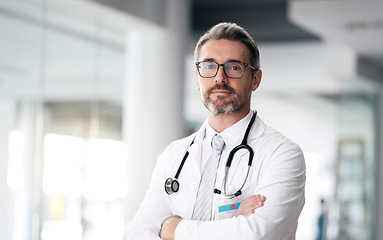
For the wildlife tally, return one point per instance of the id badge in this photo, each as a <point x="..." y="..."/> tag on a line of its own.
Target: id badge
<point x="226" y="208"/>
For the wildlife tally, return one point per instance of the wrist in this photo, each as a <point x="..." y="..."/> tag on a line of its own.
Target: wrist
<point x="169" y="226"/>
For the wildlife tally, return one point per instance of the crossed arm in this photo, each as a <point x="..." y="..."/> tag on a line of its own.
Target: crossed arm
<point x="282" y="180"/>
<point x="246" y="208"/>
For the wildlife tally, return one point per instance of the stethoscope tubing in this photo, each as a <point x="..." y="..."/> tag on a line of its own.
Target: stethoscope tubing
<point x="172" y="184"/>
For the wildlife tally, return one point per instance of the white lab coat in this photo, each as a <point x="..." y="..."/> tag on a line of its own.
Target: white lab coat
<point x="278" y="173"/>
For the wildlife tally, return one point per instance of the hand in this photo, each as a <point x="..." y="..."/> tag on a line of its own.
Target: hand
<point x="169" y="226"/>
<point x="247" y="206"/>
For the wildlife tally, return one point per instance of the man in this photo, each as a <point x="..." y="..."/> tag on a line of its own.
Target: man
<point x="270" y="193"/>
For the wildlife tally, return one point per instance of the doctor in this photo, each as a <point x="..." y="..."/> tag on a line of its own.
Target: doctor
<point x="210" y="200"/>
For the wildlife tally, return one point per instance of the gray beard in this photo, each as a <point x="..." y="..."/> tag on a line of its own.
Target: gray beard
<point x="224" y="107"/>
<point x="231" y="107"/>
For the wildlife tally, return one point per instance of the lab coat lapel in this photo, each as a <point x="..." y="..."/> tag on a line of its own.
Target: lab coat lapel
<point x="242" y="156"/>
<point x="256" y="130"/>
<point x="193" y="173"/>
<point x="195" y="150"/>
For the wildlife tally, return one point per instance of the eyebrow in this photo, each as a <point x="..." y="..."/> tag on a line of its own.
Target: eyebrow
<point x="208" y="60"/>
<point x="213" y="60"/>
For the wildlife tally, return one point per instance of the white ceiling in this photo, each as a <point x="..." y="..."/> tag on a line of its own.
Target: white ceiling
<point x="84" y="53"/>
<point x="354" y="23"/>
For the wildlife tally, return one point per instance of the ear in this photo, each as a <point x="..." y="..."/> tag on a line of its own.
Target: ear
<point x="256" y="79"/>
<point x="196" y="80"/>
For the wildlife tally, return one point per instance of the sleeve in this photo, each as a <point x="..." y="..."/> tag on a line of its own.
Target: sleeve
<point x="153" y="210"/>
<point x="282" y="181"/>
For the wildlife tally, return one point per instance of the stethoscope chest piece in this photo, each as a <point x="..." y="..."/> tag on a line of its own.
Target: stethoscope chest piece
<point x="171" y="186"/>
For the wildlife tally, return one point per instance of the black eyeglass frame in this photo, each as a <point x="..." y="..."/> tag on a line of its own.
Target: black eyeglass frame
<point x="222" y="64"/>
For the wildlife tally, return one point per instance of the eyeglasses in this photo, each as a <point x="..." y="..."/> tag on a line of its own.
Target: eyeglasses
<point x="232" y="69"/>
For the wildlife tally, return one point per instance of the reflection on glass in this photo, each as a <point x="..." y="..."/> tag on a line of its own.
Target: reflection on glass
<point x="61" y="230"/>
<point x="63" y="156"/>
<point x="354" y="208"/>
<point x="15" y="161"/>
<point x="85" y="181"/>
<point x="106" y="172"/>
<point x="63" y="184"/>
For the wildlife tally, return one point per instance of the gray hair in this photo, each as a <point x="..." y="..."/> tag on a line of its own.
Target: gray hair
<point x="232" y="32"/>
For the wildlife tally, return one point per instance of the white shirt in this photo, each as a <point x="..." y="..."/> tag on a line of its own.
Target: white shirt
<point x="232" y="137"/>
<point x="277" y="172"/>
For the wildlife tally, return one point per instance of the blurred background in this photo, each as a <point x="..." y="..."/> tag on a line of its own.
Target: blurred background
<point x="92" y="91"/>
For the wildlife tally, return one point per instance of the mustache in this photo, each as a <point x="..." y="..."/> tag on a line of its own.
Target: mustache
<point x="221" y="87"/>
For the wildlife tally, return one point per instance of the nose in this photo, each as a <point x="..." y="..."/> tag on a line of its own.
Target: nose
<point x="221" y="75"/>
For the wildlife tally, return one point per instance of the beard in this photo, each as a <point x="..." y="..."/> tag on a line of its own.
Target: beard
<point x="220" y="105"/>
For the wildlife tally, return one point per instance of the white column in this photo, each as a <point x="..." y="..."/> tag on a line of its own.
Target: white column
<point x="340" y="61"/>
<point x="6" y="126"/>
<point x="379" y="171"/>
<point x="153" y="104"/>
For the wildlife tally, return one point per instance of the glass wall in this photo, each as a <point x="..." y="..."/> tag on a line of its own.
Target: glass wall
<point x="356" y="189"/>
<point x="338" y="135"/>
<point x="61" y="78"/>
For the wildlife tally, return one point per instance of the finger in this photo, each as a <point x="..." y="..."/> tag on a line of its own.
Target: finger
<point x="251" y="212"/>
<point x="258" y="197"/>
<point x="263" y="198"/>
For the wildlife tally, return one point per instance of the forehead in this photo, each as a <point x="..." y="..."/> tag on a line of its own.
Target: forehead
<point x="223" y="50"/>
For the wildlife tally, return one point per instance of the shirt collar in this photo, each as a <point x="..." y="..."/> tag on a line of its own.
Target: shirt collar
<point x="209" y="133"/>
<point x="232" y="135"/>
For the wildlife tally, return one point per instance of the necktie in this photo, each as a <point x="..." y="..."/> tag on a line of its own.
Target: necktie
<point x="203" y="205"/>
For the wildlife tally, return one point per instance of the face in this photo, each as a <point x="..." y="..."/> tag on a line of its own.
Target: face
<point x="221" y="94"/>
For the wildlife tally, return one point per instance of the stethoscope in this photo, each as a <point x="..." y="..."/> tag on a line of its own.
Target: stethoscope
<point x="172" y="185"/>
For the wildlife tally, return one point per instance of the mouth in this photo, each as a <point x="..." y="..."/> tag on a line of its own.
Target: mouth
<point x="221" y="90"/>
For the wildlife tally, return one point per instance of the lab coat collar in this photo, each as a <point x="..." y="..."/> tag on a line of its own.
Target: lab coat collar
<point x="195" y="150"/>
<point x="256" y="131"/>
<point x="235" y="133"/>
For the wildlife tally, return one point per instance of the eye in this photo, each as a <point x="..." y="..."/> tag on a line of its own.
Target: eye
<point x="208" y="65"/>
<point x="234" y="66"/>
